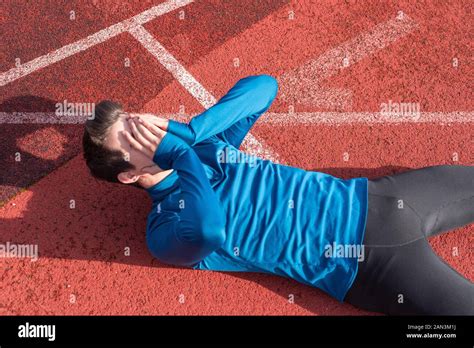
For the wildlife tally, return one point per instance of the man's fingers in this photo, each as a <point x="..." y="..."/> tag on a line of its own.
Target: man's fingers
<point x="149" y="135"/>
<point x="132" y="141"/>
<point x="157" y="131"/>
<point x="153" y="119"/>
<point x="138" y="135"/>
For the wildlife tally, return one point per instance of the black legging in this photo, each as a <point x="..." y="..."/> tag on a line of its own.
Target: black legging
<point x="401" y="274"/>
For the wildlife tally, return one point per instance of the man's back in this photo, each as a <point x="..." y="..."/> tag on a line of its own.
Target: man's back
<point x="278" y="219"/>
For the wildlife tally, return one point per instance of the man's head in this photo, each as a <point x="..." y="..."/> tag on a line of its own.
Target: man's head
<point x="107" y="153"/>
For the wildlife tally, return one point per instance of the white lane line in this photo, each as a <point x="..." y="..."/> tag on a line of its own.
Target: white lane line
<point x="344" y="118"/>
<point x="252" y="145"/>
<point x="90" y="41"/>
<point x="178" y="71"/>
<point x="303" y="84"/>
<point x="297" y="118"/>
<point x="40" y="118"/>
<point x="256" y="146"/>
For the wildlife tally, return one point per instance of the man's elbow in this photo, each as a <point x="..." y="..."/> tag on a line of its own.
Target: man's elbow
<point x="268" y="85"/>
<point x="214" y="234"/>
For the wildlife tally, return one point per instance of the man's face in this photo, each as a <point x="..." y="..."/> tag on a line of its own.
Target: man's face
<point x="116" y="141"/>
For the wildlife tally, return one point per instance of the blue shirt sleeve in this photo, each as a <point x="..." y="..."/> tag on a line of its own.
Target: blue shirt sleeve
<point x="233" y="115"/>
<point x="190" y="225"/>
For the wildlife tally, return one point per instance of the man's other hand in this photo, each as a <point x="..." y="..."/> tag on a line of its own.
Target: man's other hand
<point x="160" y="122"/>
<point x="145" y="136"/>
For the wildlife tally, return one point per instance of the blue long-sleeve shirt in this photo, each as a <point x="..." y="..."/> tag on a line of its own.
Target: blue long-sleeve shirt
<point x="223" y="210"/>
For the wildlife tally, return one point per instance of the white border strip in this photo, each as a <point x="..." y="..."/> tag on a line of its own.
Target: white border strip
<point x="171" y="64"/>
<point x="338" y="118"/>
<point x="297" y="118"/>
<point x="90" y="41"/>
<point x="303" y="85"/>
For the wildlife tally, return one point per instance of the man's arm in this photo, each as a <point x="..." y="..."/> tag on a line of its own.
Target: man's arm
<point x="233" y="115"/>
<point x="193" y="225"/>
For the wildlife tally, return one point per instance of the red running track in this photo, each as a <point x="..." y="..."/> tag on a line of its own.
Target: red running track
<point x="82" y="267"/>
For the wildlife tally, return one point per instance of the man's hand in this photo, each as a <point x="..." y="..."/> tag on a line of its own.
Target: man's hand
<point x="145" y="137"/>
<point x="160" y="122"/>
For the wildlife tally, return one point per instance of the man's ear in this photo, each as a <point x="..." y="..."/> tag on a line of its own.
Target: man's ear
<point x="127" y="177"/>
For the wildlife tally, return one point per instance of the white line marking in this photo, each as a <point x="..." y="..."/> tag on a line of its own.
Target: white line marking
<point x="345" y="118"/>
<point x="251" y="143"/>
<point x="303" y="85"/>
<point x="173" y="66"/>
<point x="90" y="41"/>
<point x="39" y="117"/>
<point x="257" y="147"/>
<point x="300" y="118"/>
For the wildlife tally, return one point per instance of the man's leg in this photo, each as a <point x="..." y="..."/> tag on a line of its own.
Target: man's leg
<point x="401" y="274"/>
<point x="443" y="196"/>
<point x="410" y="280"/>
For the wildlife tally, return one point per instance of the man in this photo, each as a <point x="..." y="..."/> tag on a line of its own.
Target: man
<point x="214" y="212"/>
